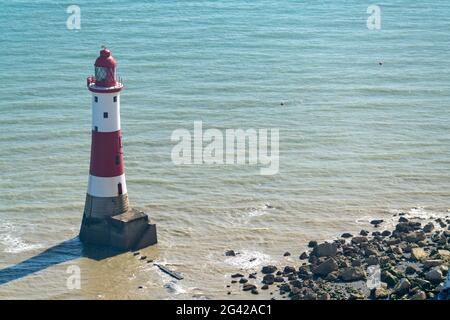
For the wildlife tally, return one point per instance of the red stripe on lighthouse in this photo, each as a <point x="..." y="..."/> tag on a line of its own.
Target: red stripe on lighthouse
<point x="106" y="154"/>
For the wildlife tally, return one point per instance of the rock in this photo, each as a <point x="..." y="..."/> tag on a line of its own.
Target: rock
<point x="237" y="275"/>
<point x="304" y="256"/>
<point x="403" y="219"/>
<point x="287" y="254"/>
<point x="230" y="253"/>
<point x="386" y="233"/>
<point x="352" y="274"/>
<point x="432" y="263"/>
<point x="410" y="270"/>
<point x="376" y="222"/>
<point x="380" y="293"/>
<point x="444" y="255"/>
<point x="356" y="263"/>
<point x="278" y="279"/>
<point x="284" y="288"/>
<point x="372" y="260"/>
<point x="359" y="240"/>
<point x="332" y="277"/>
<point x="428" y="227"/>
<point x="346" y="235"/>
<point x="268" y="269"/>
<point x="419" y="295"/>
<point x="243" y="280"/>
<point x="288" y="269"/>
<point x="248" y="287"/>
<point x="397" y="250"/>
<point x="418" y="254"/>
<point x="324" y="296"/>
<point x="325" y="267"/>
<point x="434" y="276"/>
<point x="422" y="283"/>
<point x="325" y="250"/>
<point x="364" y="233"/>
<point x="415" y="237"/>
<point x="402" y="286"/>
<point x="268" y="279"/>
<point x="407" y="226"/>
<point x="392" y="242"/>
<point x="252" y="276"/>
<point x="265" y="287"/>
<point x="255" y="291"/>
<point x="388" y="278"/>
<point x="312" y="244"/>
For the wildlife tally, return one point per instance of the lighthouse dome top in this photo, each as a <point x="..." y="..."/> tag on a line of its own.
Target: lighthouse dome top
<point x="105" y="59"/>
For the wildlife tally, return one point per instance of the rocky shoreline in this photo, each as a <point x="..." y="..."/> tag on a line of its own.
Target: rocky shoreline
<point x="408" y="262"/>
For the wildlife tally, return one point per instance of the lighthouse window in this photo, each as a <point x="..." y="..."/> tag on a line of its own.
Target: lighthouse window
<point x="96" y="99"/>
<point x="117" y="160"/>
<point x="105" y="115"/>
<point x="115" y="99"/>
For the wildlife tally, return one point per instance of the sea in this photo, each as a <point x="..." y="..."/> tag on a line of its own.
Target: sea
<point x="358" y="91"/>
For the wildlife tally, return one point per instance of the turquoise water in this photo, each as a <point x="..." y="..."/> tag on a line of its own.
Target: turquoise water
<point x="357" y="139"/>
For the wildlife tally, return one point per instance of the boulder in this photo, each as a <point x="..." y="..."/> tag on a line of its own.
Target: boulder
<point x="346" y="235"/>
<point x="312" y="244"/>
<point x="418" y="254"/>
<point x="304" y="256"/>
<point x="230" y="253"/>
<point x="359" y="240"/>
<point x="352" y="274"/>
<point x="380" y="293"/>
<point x="402" y="286"/>
<point x="248" y="287"/>
<point x="430" y="263"/>
<point x="325" y="267"/>
<point x="268" y="269"/>
<point x="268" y="279"/>
<point x="428" y="227"/>
<point x="434" y="276"/>
<point x="415" y="236"/>
<point x="325" y="250"/>
<point x="419" y="295"/>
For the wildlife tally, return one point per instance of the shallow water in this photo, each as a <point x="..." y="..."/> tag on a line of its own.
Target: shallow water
<point x="357" y="140"/>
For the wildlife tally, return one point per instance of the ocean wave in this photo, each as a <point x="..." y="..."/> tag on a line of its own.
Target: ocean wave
<point x="12" y="242"/>
<point x="249" y="259"/>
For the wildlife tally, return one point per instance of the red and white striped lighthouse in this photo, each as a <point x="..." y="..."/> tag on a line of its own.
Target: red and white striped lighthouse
<point x="107" y="198"/>
<point x="107" y="189"/>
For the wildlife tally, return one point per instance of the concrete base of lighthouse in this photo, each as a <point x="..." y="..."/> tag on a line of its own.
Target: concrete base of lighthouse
<point x="131" y="230"/>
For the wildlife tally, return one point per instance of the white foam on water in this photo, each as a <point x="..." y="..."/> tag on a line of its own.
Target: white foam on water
<point x="249" y="259"/>
<point x="12" y="242"/>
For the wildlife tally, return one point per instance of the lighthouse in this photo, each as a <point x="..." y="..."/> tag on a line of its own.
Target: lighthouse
<point x="108" y="220"/>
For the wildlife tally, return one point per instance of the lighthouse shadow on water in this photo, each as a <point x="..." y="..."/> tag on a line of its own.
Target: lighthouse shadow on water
<point x="65" y="251"/>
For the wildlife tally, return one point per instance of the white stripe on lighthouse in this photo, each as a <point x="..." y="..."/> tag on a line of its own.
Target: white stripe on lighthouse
<point x="105" y="106"/>
<point x="106" y="186"/>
